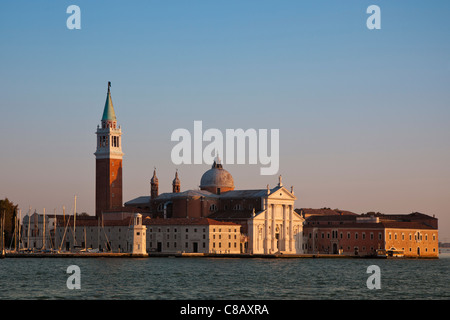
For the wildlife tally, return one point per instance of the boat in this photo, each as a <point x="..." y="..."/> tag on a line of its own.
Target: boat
<point x="390" y="253"/>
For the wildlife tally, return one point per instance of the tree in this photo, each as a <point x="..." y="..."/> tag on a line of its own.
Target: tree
<point x="9" y="210"/>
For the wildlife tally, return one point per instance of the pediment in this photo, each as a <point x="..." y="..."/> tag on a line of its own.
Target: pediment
<point x="281" y="193"/>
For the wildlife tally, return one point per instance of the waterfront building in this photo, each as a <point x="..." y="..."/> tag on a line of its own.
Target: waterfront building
<point x="38" y="232"/>
<point x="329" y="231"/>
<point x="193" y="235"/>
<point x="140" y="235"/>
<point x="268" y="222"/>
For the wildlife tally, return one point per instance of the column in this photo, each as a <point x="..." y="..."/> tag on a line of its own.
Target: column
<point x="285" y="246"/>
<point x="266" y="226"/>
<point x="291" y="229"/>
<point x="273" y="247"/>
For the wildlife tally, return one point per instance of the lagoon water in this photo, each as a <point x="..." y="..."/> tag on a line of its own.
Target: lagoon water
<point x="224" y="278"/>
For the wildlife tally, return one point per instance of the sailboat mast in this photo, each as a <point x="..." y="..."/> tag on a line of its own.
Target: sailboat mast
<point x="2" y="221"/>
<point x="43" y="234"/>
<point x="29" y="226"/>
<point x="74" y="219"/>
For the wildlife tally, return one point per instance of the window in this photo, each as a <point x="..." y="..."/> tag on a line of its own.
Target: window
<point x="212" y="208"/>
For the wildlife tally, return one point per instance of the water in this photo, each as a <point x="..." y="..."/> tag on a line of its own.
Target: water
<point x="223" y="279"/>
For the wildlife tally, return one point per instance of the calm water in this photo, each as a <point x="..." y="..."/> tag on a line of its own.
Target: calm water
<point x="219" y="279"/>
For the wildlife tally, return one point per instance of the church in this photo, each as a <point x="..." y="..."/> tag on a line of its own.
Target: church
<point x="256" y="221"/>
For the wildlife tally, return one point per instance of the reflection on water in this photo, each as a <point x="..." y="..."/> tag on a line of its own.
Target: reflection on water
<point x="222" y="279"/>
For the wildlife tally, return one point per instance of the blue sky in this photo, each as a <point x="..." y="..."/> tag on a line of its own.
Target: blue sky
<point x="363" y="114"/>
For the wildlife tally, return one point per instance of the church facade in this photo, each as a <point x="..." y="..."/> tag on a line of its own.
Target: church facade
<point x="269" y="224"/>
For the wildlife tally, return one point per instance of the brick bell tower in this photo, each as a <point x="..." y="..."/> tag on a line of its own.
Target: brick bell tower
<point x="108" y="161"/>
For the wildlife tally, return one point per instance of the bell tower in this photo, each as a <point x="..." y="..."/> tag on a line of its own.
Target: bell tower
<point x="108" y="160"/>
<point x="154" y="184"/>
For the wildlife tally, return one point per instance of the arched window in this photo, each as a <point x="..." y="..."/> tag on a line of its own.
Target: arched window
<point x="237" y="207"/>
<point x="213" y="208"/>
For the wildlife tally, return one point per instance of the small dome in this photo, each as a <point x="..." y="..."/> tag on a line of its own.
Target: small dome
<point x="217" y="177"/>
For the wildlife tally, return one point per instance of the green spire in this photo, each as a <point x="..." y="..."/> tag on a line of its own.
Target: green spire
<point x="108" y="112"/>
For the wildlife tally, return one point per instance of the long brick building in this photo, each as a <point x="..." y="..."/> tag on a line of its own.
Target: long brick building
<point x="329" y="231"/>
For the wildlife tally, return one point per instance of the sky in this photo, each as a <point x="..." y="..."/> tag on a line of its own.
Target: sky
<point x="363" y="114"/>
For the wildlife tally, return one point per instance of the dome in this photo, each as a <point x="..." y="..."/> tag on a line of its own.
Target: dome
<point x="215" y="178"/>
